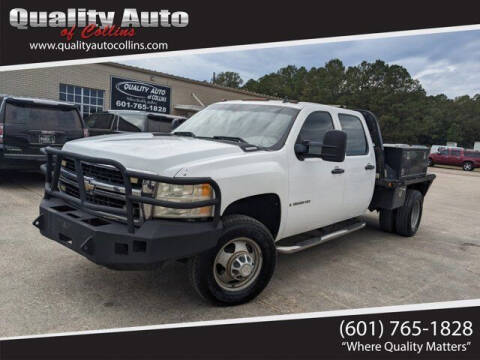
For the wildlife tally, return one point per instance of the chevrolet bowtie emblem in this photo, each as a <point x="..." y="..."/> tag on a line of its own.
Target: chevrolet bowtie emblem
<point x="89" y="187"/>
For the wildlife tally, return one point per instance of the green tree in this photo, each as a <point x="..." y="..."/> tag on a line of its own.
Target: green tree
<point x="406" y="114"/>
<point x="228" y="79"/>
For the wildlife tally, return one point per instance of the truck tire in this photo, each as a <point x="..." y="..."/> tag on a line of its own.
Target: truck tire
<point x="239" y="267"/>
<point x="387" y="220"/>
<point x="409" y="215"/>
<point x="467" y="166"/>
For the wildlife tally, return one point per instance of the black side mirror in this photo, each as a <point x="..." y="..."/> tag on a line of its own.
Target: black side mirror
<point x="332" y="149"/>
<point x="334" y="146"/>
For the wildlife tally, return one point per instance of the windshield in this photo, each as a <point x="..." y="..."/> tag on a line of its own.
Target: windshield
<point x="43" y="118"/>
<point x="261" y="125"/>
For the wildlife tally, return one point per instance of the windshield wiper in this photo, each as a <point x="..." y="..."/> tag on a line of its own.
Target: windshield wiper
<point x="184" y="133"/>
<point x="230" y="138"/>
<point x="241" y="142"/>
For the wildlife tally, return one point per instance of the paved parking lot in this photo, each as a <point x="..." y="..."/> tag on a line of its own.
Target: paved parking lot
<point x="46" y="288"/>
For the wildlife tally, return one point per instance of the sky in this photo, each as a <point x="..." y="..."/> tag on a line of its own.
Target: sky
<point x="447" y="63"/>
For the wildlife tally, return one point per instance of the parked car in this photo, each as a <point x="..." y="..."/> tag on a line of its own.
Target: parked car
<point x="467" y="159"/>
<point x="229" y="189"/>
<point x="27" y="125"/>
<point x="118" y="121"/>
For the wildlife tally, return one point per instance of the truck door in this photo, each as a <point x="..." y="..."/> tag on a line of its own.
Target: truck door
<point x="315" y="192"/>
<point x="442" y="156"/>
<point x="359" y="166"/>
<point x="455" y="157"/>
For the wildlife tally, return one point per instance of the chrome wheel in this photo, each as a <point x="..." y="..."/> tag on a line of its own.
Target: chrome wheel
<point x="467" y="166"/>
<point x="415" y="216"/>
<point x="237" y="264"/>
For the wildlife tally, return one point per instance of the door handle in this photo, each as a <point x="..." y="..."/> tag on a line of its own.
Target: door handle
<point x="338" y="171"/>
<point x="369" y="167"/>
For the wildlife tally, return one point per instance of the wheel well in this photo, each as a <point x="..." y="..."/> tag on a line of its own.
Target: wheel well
<point x="422" y="187"/>
<point x="264" y="208"/>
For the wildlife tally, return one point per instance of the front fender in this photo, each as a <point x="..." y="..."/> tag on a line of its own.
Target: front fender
<point x="246" y="176"/>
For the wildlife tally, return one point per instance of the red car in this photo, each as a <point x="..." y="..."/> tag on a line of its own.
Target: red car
<point x="467" y="159"/>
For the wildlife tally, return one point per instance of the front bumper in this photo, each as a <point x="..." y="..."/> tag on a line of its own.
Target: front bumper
<point x="110" y="243"/>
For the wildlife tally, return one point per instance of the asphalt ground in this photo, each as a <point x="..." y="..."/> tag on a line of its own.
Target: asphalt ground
<point x="46" y="288"/>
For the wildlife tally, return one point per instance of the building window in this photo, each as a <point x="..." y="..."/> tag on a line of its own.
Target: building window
<point x="88" y="100"/>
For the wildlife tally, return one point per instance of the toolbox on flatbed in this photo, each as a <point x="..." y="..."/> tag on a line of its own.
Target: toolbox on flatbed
<point x="403" y="166"/>
<point x="405" y="161"/>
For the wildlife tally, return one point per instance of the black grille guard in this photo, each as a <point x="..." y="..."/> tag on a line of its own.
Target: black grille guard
<point x="52" y="176"/>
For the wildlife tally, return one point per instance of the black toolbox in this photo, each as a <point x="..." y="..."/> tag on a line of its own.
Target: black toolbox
<point x="405" y="161"/>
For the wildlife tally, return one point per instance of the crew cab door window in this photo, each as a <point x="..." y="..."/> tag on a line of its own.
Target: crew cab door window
<point x="356" y="140"/>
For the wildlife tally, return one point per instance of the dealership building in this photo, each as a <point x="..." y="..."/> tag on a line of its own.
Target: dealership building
<point x="105" y="86"/>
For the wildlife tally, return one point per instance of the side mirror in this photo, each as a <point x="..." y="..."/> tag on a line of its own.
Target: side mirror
<point x="334" y="146"/>
<point x="332" y="149"/>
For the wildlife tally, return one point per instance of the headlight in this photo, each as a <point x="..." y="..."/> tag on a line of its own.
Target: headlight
<point x="178" y="193"/>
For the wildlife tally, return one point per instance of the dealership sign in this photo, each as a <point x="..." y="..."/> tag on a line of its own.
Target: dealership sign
<point x="138" y="95"/>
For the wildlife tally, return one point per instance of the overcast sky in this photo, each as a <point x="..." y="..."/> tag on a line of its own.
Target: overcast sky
<point x="446" y="63"/>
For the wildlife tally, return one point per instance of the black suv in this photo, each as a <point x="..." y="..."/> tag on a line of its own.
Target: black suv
<point x="27" y="125"/>
<point x="118" y="121"/>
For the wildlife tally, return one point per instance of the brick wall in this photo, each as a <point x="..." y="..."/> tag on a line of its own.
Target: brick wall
<point x="44" y="83"/>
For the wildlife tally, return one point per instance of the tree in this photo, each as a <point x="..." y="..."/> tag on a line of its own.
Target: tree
<point x="228" y="79"/>
<point x="405" y="112"/>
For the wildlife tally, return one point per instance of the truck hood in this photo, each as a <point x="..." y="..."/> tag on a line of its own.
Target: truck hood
<point x="163" y="155"/>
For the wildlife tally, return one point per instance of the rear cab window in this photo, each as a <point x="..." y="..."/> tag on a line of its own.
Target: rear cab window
<point x="126" y="125"/>
<point x="357" y="144"/>
<point x="100" y="121"/>
<point x="38" y="117"/>
<point x="159" y="124"/>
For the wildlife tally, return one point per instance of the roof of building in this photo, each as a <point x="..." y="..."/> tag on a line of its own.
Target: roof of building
<point x="180" y="78"/>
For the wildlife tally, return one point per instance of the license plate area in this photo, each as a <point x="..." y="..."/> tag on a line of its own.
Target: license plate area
<point x="46" y="139"/>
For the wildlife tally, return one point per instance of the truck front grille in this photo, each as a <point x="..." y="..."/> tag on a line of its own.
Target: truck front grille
<point x="101" y="173"/>
<point x="108" y="190"/>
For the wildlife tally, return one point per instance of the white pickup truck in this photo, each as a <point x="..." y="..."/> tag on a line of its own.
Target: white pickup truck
<point x="229" y="189"/>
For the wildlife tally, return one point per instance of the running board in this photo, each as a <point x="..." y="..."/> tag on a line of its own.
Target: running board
<point x="305" y="244"/>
